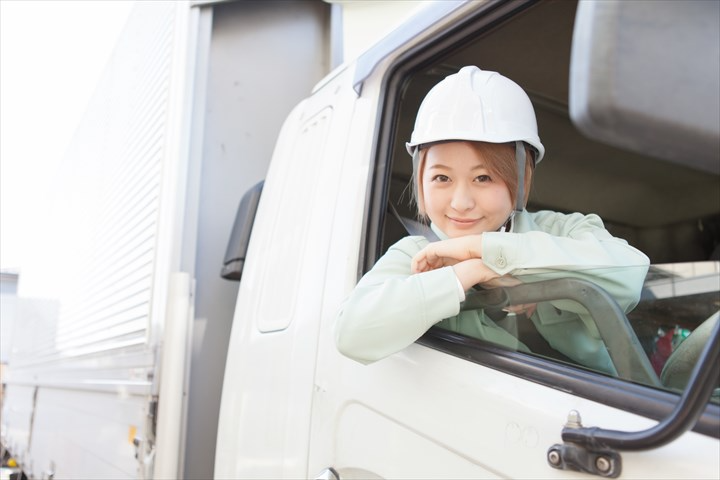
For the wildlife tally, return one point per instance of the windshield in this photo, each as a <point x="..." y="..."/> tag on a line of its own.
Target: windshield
<point x="654" y="339"/>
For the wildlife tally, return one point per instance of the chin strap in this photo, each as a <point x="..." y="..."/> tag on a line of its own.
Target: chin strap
<point x="507" y="226"/>
<point x="416" y="159"/>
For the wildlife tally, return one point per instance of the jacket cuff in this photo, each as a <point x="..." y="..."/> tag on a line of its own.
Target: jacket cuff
<point x="499" y="251"/>
<point x="440" y="290"/>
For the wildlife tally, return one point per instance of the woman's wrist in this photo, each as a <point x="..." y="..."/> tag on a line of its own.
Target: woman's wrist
<point x="471" y="272"/>
<point x="477" y="245"/>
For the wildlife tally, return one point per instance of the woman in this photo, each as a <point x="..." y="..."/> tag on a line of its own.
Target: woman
<point x="474" y="149"/>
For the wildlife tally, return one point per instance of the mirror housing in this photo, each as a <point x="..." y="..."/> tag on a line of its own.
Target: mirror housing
<point x="645" y="76"/>
<point x="240" y="236"/>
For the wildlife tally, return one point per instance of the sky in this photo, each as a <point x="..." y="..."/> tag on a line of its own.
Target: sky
<point x="52" y="55"/>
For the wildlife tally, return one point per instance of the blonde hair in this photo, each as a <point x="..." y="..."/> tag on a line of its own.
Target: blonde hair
<point x="500" y="161"/>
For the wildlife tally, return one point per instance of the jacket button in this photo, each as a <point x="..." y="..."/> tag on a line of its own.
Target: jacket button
<point x="501" y="262"/>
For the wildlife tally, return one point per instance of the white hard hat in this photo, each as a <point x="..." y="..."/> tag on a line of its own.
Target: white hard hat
<point x="476" y="105"/>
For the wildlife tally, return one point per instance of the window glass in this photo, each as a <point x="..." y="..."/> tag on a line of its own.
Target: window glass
<point x="569" y="317"/>
<point x="680" y="304"/>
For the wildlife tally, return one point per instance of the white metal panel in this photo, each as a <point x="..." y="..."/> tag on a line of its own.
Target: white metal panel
<point x="83" y="434"/>
<point x="169" y="432"/>
<point x="423" y="413"/>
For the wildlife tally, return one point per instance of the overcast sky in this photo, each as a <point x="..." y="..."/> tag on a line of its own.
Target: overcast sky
<point x="52" y="54"/>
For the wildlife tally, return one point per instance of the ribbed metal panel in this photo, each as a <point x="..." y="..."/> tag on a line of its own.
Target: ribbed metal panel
<point x="97" y="332"/>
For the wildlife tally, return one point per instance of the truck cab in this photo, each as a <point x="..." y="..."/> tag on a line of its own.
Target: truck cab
<point x="626" y="97"/>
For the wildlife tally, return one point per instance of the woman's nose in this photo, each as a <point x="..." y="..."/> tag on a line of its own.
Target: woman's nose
<point x="462" y="199"/>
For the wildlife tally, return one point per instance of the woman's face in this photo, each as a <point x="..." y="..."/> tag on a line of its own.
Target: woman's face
<point x="460" y="194"/>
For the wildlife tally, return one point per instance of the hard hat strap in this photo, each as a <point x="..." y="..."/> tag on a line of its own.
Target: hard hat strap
<point x="520" y="159"/>
<point x="416" y="159"/>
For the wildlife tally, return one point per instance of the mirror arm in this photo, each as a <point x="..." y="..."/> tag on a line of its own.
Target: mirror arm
<point x="683" y="417"/>
<point x="595" y="450"/>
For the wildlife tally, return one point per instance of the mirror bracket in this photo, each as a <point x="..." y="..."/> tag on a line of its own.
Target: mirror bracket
<point x="603" y="462"/>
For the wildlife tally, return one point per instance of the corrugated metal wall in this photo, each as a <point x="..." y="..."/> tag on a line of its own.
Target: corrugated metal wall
<point x="94" y="328"/>
<point x="106" y="206"/>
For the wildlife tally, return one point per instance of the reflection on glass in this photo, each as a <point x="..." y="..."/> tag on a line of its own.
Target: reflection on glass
<point x="656" y="342"/>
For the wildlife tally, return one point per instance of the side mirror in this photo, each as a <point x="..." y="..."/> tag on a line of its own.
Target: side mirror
<point x="240" y="236"/>
<point x="645" y="76"/>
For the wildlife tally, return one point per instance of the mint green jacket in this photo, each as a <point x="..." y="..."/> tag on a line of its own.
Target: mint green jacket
<point x="390" y="308"/>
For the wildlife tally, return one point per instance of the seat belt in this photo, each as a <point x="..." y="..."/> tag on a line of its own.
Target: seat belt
<point x="412" y="227"/>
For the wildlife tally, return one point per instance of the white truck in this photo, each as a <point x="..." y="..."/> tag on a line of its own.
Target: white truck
<point x="627" y="96"/>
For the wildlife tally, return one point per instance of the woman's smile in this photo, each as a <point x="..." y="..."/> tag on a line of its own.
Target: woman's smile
<point x="463" y="222"/>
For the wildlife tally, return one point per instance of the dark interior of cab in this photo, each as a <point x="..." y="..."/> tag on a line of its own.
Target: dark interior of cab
<point x="667" y="210"/>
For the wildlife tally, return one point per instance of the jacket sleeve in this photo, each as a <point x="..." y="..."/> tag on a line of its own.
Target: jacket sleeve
<point x="390" y="307"/>
<point x="573" y="245"/>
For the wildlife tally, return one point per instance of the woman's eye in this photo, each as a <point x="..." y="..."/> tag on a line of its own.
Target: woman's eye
<point x="483" y="178"/>
<point x="441" y="178"/>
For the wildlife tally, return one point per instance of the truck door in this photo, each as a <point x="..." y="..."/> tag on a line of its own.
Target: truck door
<point x="450" y="406"/>
<point x="268" y="384"/>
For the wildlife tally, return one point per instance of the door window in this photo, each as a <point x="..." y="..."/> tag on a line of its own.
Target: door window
<point x="667" y="211"/>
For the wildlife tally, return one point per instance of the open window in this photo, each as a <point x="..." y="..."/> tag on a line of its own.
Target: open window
<point x="668" y="210"/>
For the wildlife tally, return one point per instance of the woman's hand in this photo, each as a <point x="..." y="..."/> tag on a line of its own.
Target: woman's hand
<point x="474" y="271"/>
<point x="447" y="253"/>
<point x="508" y="281"/>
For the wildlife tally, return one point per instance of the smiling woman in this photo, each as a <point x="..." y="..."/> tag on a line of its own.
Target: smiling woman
<point x="474" y="133"/>
<point x="52" y="56"/>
